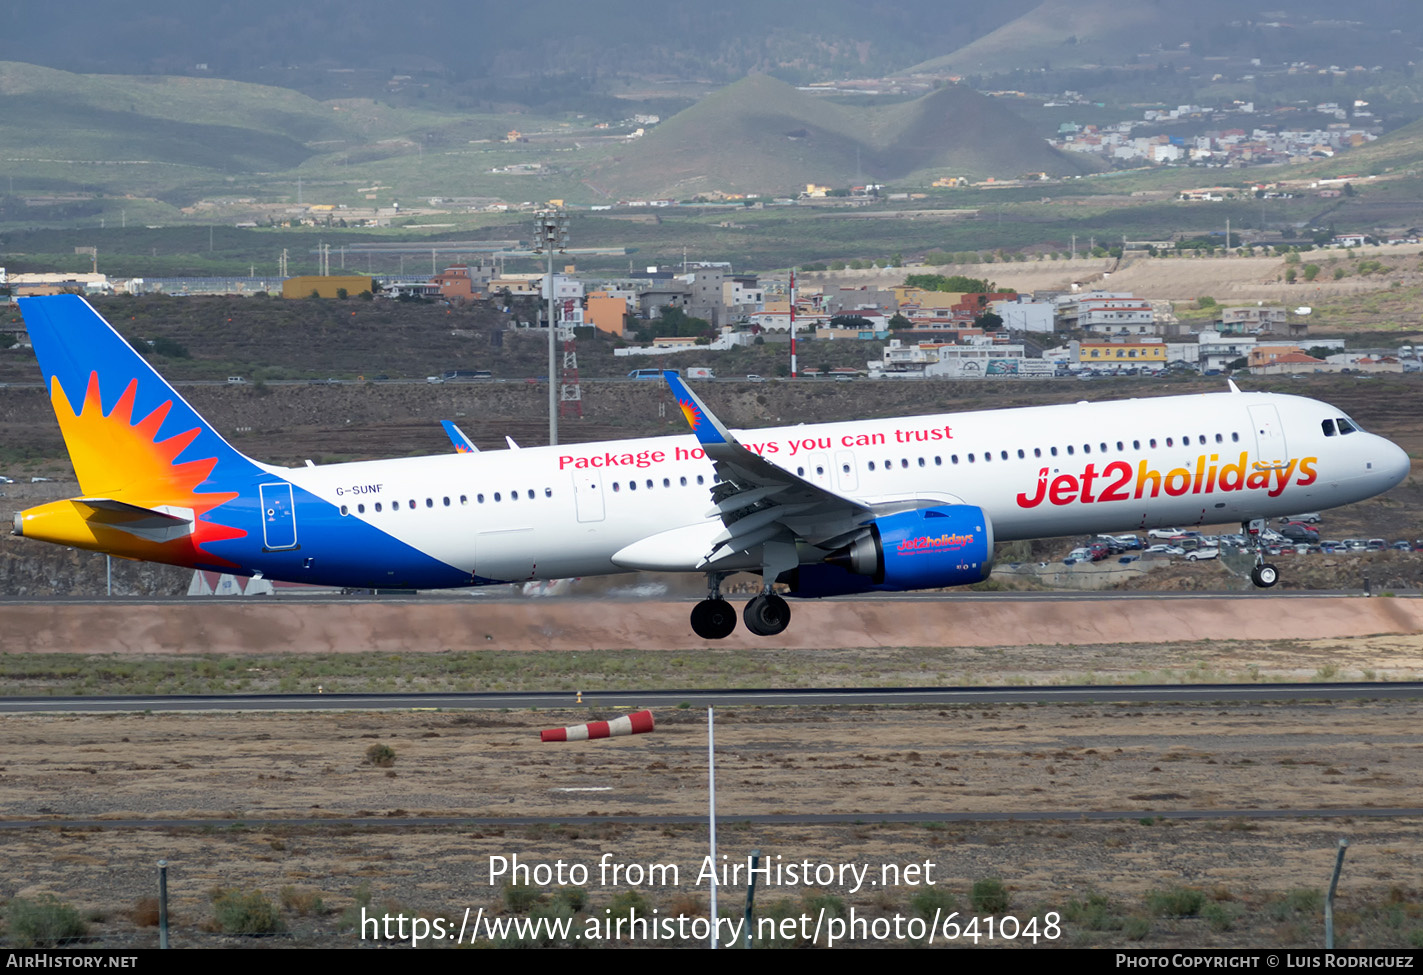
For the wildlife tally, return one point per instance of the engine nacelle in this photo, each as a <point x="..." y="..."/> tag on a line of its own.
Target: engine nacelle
<point x="927" y="548"/>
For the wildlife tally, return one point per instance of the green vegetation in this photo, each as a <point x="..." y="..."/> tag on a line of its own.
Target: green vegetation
<point x="381" y="756"/>
<point x="929" y="900"/>
<point x="520" y="898"/>
<point x="1175" y="902"/>
<point x="952" y="282"/>
<point x="42" y="922"/>
<point x="244" y="912"/>
<point x="989" y="896"/>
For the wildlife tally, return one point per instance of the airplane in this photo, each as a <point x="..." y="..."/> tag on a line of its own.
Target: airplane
<point x="824" y="509"/>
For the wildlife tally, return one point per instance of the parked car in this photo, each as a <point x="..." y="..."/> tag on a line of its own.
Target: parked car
<point x="1298" y="531"/>
<point x="1312" y="517"/>
<point x="1163" y="533"/>
<point x="1203" y="553"/>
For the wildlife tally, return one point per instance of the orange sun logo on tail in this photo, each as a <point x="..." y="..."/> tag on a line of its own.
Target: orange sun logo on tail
<point x="690" y="411"/>
<point x="116" y="456"/>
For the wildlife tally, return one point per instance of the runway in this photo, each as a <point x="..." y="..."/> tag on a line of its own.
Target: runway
<point x="703" y="698"/>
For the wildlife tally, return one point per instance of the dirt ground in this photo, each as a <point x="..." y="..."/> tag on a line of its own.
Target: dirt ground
<point x="1139" y="761"/>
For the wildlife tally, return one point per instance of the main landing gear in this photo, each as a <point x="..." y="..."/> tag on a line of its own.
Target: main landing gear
<point x="1264" y="575"/>
<point x="714" y="618"/>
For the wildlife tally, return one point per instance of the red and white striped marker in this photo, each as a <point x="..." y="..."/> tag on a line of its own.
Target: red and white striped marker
<point x="637" y="723"/>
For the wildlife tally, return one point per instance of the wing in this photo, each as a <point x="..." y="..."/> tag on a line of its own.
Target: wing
<point x="759" y="502"/>
<point x="462" y="443"/>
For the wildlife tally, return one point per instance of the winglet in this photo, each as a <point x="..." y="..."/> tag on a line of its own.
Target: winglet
<point x="1233" y="388"/>
<point x="463" y="445"/>
<point x="708" y="429"/>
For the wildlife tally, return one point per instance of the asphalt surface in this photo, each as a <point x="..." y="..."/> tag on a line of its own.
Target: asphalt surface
<point x="742" y="697"/>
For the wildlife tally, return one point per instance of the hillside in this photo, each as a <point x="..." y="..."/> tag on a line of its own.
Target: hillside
<point x="761" y="135"/>
<point x="122" y="134"/>
<point x="1070" y="33"/>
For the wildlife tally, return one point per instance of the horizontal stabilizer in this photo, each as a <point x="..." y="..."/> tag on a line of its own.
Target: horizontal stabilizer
<point x="121" y="514"/>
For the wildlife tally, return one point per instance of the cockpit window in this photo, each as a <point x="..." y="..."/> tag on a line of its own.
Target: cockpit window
<point x="1346" y="427"/>
<point x="1328" y="426"/>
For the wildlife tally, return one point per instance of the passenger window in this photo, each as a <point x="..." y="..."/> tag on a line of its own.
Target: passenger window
<point x="412" y="504"/>
<point x="632" y="485"/>
<point x="548" y="492"/>
<point x="1136" y="445"/>
<point x="904" y="462"/>
<point x="872" y="465"/>
<point x="513" y="496"/>
<point x="1069" y="450"/>
<point x="684" y="481"/>
<point x="377" y="506"/>
<point x="1003" y="454"/>
<point x="699" y="479"/>
<point x="395" y="506"/>
<point x="1021" y="454"/>
<point x="464" y="499"/>
<point x="921" y="461"/>
<point x="938" y="461"/>
<point x="1087" y="448"/>
<point x="1053" y="451"/>
<point x="447" y="502"/>
<point x="615" y="487"/>
<point x="430" y="503"/>
<point x="344" y="510"/>
<point x="1037" y="451"/>
<point x="1152" y="441"/>
<point x="800" y="472"/>
<point x="1168" y="442"/>
<point x="496" y="496"/>
<point x="649" y="484"/>
<point x="1219" y="439"/>
<point x="1235" y="438"/>
<point x="666" y="482"/>
<point x="360" y="509"/>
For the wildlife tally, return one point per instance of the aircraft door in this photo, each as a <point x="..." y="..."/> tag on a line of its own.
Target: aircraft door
<point x="278" y="517"/>
<point x="845" y="474"/>
<point x="588" y="495"/>
<point x="1270" y="443"/>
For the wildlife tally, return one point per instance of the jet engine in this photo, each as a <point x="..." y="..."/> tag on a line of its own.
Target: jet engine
<point x="927" y="548"/>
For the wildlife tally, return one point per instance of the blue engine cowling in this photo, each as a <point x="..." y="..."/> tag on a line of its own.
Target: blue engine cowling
<point x="927" y="548"/>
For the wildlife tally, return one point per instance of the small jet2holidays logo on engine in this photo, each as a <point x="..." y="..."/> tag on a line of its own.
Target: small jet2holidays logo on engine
<point x="925" y="543"/>
<point x="1118" y="481"/>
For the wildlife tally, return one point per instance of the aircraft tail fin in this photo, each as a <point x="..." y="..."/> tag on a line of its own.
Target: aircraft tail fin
<point x="130" y="435"/>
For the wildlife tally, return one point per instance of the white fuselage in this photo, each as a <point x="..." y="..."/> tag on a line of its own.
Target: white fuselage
<point x="555" y="512"/>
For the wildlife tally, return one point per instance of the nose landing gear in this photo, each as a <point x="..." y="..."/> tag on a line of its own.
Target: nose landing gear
<point x="1264" y="575"/>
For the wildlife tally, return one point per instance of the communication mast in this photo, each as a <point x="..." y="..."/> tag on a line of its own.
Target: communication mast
<point x="570" y="391"/>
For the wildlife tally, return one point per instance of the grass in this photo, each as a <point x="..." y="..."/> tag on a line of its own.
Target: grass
<point x="593" y="670"/>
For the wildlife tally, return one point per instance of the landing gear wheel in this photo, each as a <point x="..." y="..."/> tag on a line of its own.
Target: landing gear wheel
<point x="767" y="614"/>
<point x="1264" y="575"/>
<point x="713" y="619"/>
